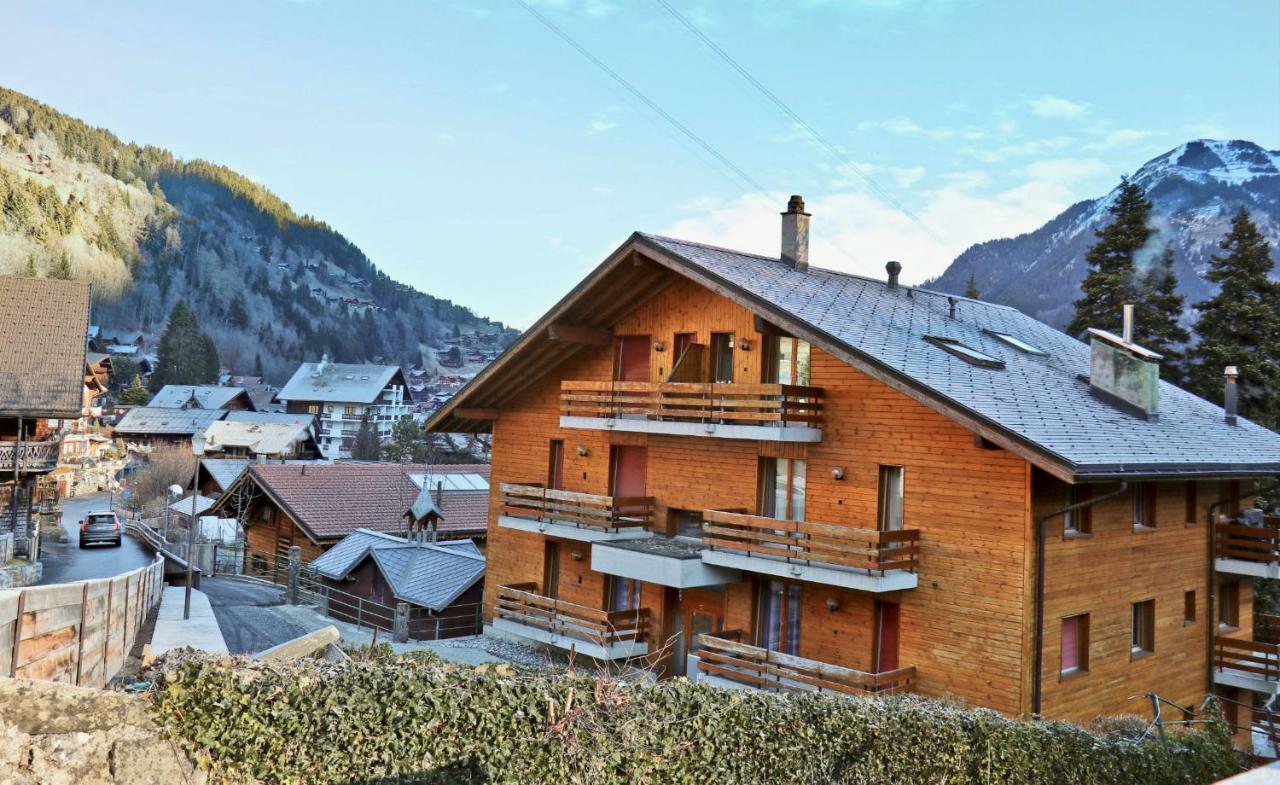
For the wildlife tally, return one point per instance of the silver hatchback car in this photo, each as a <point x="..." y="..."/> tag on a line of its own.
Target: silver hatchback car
<point x="100" y="528"/>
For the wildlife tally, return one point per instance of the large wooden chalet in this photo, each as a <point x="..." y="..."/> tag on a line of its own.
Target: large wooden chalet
<point x="780" y="476"/>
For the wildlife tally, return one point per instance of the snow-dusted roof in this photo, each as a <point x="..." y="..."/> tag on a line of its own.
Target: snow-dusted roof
<point x="340" y="382"/>
<point x="206" y="396"/>
<point x="256" y="437"/>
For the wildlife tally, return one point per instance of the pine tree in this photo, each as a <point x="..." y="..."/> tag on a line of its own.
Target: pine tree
<point x="31" y="266"/>
<point x="1156" y="315"/>
<point x="63" y="270"/>
<point x="367" y="446"/>
<point x="971" y="288"/>
<point x="1109" y="284"/>
<point x="257" y="366"/>
<point x="1240" y="325"/>
<point x="185" y="354"/>
<point x="135" y="394"/>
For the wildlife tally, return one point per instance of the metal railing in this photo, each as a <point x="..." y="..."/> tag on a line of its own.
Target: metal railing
<point x="723" y="654"/>
<point x="807" y="542"/>
<point x="702" y="402"/>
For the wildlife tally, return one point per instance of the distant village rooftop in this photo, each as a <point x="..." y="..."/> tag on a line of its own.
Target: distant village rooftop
<point x="344" y="382"/>
<point x="206" y="396"/>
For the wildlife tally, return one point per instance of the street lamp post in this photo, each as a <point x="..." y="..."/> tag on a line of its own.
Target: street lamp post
<point x="197" y="449"/>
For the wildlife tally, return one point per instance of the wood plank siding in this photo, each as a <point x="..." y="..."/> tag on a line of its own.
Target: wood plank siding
<point x="968" y="627"/>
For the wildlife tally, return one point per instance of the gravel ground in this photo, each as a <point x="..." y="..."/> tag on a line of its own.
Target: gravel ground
<point x="526" y="656"/>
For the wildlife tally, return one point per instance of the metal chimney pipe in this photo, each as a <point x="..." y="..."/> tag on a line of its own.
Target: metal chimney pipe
<point x="893" y="269"/>
<point x="1127" y="332"/>
<point x="1230" y="403"/>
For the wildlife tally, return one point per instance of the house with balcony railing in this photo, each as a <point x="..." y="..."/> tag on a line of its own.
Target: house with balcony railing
<point x="768" y="475"/>
<point x="343" y="395"/>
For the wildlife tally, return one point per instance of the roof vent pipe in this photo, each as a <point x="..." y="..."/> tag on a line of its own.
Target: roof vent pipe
<point x="795" y="235"/>
<point x="894" y="269"/>
<point x="951" y="301"/>
<point x="1127" y="330"/>
<point x="1229" y="402"/>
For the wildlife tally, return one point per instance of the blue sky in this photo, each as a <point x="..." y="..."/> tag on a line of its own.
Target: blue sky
<point x="475" y="155"/>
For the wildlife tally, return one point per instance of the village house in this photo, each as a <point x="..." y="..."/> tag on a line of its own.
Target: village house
<point x="42" y="359"/>
<point x="314" y="505"/>
<point x="762" y="473"/>
<point x="262" y="441"/>
<point x="146" y="427"/>
<point x="202" y="396"/>
<point x="370" y="572"/>
<point x="341" y="396"/>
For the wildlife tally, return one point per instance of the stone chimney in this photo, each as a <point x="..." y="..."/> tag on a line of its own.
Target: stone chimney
<point x="1230" y="391"/>
<point x="795" y="235"/>
<point x="894" y="270"/>
<point x="1123" y="373"/>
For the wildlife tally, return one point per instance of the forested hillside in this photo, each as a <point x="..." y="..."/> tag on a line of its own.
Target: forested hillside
<point x="149" y="229"/>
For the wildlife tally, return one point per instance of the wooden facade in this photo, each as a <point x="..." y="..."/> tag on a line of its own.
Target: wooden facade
<point x="966" y="628"/>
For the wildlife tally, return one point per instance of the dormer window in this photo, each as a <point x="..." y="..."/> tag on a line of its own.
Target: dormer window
<point x="967" y="353"/>
<point x="1017" y="343"/>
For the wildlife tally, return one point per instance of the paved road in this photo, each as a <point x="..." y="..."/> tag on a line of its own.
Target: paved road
<point x="249" y="614"/>
<point x="65" y="562"/>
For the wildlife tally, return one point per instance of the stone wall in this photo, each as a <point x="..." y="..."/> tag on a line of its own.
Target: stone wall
<point x="15" y="573"/>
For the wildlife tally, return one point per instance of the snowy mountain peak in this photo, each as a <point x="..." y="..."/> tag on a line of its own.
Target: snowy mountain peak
<point x="1233" y="162"/>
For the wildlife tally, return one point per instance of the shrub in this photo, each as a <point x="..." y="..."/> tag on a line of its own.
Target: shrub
<point x="386" y="719"/>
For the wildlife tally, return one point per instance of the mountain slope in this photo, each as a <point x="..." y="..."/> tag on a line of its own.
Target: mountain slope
<point x="1195" y="189"/>
<point x="147" y="228"/>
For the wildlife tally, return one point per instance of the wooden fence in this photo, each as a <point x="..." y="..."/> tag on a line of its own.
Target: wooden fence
<point x="78" y="633"/>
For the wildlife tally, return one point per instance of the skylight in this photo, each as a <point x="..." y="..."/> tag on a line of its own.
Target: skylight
<point x="1018" y="343"/>
<point x="967" y="353"/>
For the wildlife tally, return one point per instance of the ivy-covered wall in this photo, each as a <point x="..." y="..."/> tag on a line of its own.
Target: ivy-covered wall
<point x="391" y="719"/>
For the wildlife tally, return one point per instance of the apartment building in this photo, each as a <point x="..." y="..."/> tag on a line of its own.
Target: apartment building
<point x="342" y="395"/>
<point x="759" y="473"/>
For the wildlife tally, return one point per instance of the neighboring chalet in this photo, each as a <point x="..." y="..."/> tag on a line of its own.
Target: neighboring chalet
<point x="202" y="396"/>
<point x="281" y="441"/>
<point x="442" y="582"/>
<point x="44" y="324"/>
<point x="314" y="505"/>
<point x="217" y="474"/>
<point x="342" y="395"/>
<point x="145" y="427"/>
<point x="801" y="478"/>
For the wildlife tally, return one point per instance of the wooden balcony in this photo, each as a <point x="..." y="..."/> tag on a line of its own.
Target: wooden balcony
<point x="770" y="412"/>
<point x="33" y="457"/>
<point x="575" y="516"/>
<point x="863" y="559"/>
<point x="604" y="635"/>
<point x="1247" y="664"/>
<point x="1249" y="550"/>
<point x="722" y="657"/>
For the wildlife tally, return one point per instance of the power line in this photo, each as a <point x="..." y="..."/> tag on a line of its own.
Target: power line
<point x="789" y="112"/>
<point x="635" y="91"/>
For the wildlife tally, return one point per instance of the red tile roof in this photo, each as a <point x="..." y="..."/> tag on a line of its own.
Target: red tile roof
<point x="330" y="501"/>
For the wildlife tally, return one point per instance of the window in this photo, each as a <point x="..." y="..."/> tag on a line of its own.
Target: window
<point x="313" y="408"/>
<point x="722" y="357"/>
<point x="1193" y="506"/>
<point x="555" y="465"/>
<point x="1017" y="343"/>
<point x="782" y="488"/>
<point x="1189" y="607"/>
<point x="779" y="617"/>
<point x="1143" y="636"/>
<point x="1075" y="643"/>
<point x="889" y="513"/>
<point x="623" y="594"/>
<point x="786" y="360"/>
<point x="1144" y="505"/>
<point x="1077" y="522"/>
<point x="352" y="411"/>
<point x="1229" y="605"/>
<point x="967" y="353"/>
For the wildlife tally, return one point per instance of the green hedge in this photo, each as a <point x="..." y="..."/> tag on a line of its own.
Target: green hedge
<point x="416" y="720"/>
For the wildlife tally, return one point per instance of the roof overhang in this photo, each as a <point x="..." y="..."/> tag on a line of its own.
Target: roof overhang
<point x="598" y="300"/>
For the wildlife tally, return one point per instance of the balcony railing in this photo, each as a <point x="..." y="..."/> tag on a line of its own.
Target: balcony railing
<point x="579" y="510"/>
<point x="808" y="543"/>
<point x="32" y="456"/>
<point x="722" y="655"/>
<point x="607" y="634"/>
<point x="1240" y="660"/>
<point x="708" y="403"/>
<point x="1257" y="544"/>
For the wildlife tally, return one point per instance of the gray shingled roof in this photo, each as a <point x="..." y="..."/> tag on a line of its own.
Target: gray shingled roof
<point x="208" y="396"/>
<point x="430" y="575"/>
<point x="342" y="382"/>
<point x="224" y="471"/>
<point x="1039" y="400"/>
<point x="154" y="421"/>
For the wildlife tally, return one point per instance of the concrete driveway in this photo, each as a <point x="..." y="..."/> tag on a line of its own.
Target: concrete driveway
<point x="249" y="614"/>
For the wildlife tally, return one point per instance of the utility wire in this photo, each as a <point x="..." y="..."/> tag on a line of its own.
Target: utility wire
<point x="635" y="91"/>
<point x="789" y="112"/>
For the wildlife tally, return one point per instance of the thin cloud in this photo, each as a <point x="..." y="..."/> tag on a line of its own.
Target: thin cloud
<point x="905" y="126"/>
<point x="600" y="126"/>
<point x="1055" y="107"/>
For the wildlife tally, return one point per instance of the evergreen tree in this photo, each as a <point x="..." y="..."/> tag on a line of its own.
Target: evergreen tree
<point x="63" y="269"/>
<point x="31" y="266"/>
<point x="1109" y="284"/>
<point x="366" y="446"/>
<point x="237" y="314"/>
<point x="135" y="394"/>
<point x="1240" y="325"/>
<point x="257" y="366"/>
<point x="1156" y="315"/>
<point x="408" y="443"/>
<point x="185" y="354"/>
<point x="971" y="288"/>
